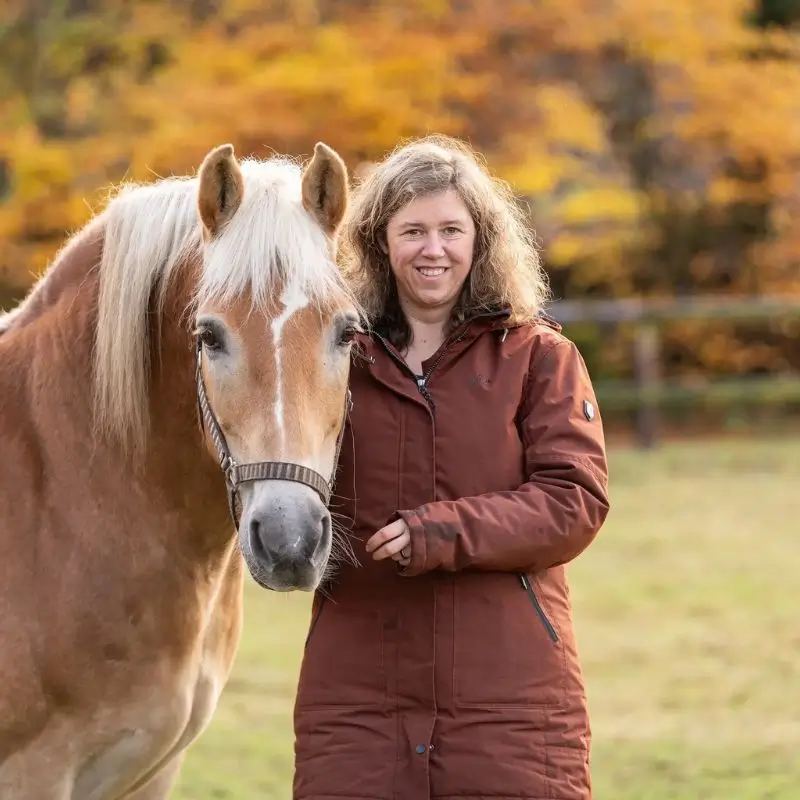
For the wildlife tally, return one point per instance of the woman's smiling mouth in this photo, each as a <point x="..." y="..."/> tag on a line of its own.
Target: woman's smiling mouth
<point x="431" y="272"/>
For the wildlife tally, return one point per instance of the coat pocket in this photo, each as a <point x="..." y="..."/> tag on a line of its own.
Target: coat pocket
<point x="540" y="612"/>
<point x="507" y="651"/>
<point x="343" y="660"/>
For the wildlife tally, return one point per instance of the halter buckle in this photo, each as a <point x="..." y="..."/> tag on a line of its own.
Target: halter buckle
<point x="230" y="468"/>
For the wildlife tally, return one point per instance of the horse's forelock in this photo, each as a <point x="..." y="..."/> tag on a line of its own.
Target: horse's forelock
<point x="271" y="244"/>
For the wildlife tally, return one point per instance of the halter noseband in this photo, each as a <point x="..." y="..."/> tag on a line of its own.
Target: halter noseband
<point x="237" y="474"/>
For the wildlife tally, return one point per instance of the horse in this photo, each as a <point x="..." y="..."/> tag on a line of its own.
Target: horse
<point x="173" y="391"/>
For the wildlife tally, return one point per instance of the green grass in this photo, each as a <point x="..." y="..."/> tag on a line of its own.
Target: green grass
<point x="686" y="611"/>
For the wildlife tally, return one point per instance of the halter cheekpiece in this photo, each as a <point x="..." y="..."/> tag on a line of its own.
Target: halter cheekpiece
<point x="237" y="474"/>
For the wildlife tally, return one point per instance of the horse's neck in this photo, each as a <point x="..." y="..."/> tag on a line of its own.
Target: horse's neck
<point x="70" y="269"/>
<point x="49" y="346"/>
<point x="46" y="343"/>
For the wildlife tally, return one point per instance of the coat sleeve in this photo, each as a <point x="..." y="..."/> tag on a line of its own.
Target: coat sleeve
<point x="552" y="517"/>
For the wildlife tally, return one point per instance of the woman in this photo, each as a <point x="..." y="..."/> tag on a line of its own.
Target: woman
<point x="474" y="468"/>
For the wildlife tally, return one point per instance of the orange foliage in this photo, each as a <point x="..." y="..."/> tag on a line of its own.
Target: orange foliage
<point x="656" y="141"/>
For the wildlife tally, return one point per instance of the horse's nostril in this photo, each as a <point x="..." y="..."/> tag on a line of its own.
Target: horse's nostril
<point x="326" y="526"/>
<point x="319" y="534"/>
<point x="325" y="539"/>
<point x="306" y="541"/>
<point x="256" y="545"/>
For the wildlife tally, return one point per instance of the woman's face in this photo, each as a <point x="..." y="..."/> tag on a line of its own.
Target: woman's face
<point x="430" y="243"/>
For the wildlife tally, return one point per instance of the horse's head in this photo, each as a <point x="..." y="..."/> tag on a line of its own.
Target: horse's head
<point x="273" y="361"/>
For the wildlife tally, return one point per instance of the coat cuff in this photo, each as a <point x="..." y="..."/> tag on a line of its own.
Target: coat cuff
<point x="419" y="554"/>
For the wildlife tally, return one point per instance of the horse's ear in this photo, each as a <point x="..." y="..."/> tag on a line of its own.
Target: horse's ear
<point x="221" y="188"/>
<point x="325" y="188"/>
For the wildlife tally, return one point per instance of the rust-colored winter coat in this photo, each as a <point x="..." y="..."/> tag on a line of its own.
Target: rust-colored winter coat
<point x="457" y="678"/>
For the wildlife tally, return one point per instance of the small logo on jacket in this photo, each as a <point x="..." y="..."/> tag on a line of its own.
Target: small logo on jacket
<point x="480" y="380"/>
<point x="588" y="410"/>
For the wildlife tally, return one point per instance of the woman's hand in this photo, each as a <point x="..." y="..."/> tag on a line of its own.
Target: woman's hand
<point x="392" y="541"/>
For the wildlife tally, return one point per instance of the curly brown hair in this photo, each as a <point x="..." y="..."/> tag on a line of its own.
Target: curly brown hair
<point x="506" y="270"/>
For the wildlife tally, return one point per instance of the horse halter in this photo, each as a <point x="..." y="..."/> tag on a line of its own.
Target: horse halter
<point x="237" y="474"/>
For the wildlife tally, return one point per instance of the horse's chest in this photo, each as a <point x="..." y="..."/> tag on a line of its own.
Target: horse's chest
<point x="151" y="732"/>
<point x="204" y="695"/>
<point x="167" y="709"/>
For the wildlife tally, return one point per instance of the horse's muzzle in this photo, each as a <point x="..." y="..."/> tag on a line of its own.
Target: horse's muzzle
<point x="285" y="537"/>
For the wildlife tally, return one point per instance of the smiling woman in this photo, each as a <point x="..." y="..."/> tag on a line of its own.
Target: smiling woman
<point x="446" y="665"/>
<point x="429" y="243"/>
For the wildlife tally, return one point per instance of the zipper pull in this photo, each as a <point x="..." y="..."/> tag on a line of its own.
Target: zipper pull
<point x="420" y="382"/>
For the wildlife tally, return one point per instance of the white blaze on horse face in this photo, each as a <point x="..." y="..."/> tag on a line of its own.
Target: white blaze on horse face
<point x="293" y="299"/>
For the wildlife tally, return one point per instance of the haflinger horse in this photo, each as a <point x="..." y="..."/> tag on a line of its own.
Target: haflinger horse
<point x="185" y="358"/>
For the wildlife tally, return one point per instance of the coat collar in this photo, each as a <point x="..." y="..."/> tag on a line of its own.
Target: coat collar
<point x="498" y="320"/>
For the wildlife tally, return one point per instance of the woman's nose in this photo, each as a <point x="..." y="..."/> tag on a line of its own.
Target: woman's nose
<point x="432" y="246"/>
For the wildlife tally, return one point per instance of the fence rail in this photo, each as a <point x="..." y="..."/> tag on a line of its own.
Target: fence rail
<point x="648" y="392"/>
<point x="670" y="309"/>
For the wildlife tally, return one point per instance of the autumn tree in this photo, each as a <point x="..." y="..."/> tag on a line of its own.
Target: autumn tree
<point x="655" y="141"/>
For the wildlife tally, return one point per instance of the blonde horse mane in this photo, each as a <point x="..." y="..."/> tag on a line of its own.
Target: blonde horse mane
<point x="151" y="229"/>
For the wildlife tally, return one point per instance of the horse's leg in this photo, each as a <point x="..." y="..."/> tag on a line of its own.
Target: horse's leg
<point x="36" y="773"/>
<point x="32" y="786"/>
<point x="159" y="786"/>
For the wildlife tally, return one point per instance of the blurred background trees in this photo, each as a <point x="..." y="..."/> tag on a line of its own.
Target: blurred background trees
<point x="656" y="142"/>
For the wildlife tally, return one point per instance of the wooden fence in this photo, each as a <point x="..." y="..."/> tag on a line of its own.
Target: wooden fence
<point x="648" y="392"/>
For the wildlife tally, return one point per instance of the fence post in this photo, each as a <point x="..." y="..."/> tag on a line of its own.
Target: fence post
<point x="646" y="354"/>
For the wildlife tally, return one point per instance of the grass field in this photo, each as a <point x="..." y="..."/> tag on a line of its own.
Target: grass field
<point x="687" y="615"/>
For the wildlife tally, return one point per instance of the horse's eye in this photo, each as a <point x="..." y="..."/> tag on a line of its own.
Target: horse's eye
<point x="348" y="334"/>
<point x="209" y="338"/>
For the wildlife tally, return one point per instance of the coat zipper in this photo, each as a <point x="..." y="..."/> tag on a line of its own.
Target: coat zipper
<point x="526" y="585"/>
<point x="422" y="381"/>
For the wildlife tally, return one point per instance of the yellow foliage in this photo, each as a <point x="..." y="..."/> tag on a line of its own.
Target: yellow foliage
<point x="606" y="204"/>
<point x="562" y="96"/>
<point x="567" y="120"/>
